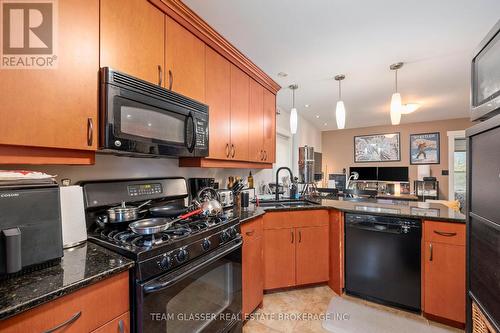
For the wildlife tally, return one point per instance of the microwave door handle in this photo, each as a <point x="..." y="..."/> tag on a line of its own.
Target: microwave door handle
<point x="166" y="284"/>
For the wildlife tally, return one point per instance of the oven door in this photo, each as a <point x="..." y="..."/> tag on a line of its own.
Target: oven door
<point x="203" y="296"/>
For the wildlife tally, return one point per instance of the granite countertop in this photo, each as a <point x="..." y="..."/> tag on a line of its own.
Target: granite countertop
<point x="397" y="208"/>
<point x="80" y="267"/>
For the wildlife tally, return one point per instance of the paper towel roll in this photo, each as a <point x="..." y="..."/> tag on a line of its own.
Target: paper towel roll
<point x="73" y="216"/>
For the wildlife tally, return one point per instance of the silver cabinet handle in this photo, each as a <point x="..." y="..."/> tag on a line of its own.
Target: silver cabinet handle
<point x="445" y="234"/>
<point x="170" y="79"/>
<point x="300" y="236"/>
<point x="431" y="255"/>
<point x="121" y="326"/>
<point x="90" y="132"/>
<point x="261" y="155"/>
<point x="265" y="155"/>
<point x="160" y="76"/>
<point x="66" y="323"/>
<point x="227" y="150"/>
<point x="233" y="150"/>
<point x="292" y="235"/>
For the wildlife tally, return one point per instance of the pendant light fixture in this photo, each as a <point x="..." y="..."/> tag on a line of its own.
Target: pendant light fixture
<point x="396" y="96"/>
<point x="293" y="111"/>
<point x="340" y="110"/>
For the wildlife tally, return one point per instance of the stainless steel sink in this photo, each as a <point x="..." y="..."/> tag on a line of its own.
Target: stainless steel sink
<point x="285" y="204"/>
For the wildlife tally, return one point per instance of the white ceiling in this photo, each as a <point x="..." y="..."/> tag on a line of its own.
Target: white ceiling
<point x="314" y="40"/>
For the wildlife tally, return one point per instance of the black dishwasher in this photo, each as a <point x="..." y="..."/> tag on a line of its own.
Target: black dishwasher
<point x="382" y="259"/>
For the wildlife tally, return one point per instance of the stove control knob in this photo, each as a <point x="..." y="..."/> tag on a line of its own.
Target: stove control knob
<point x="165" y="262"/>
<point x="182" y="255"/>
<point x="232" y="232"/>
<point x="224" y="236"/>
<point x="206" y="244"/>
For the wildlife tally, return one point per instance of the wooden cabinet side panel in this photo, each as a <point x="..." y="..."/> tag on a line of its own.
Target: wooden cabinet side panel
<point x="240" y="89"/>
<point x="218" y="99"/>
<point x="256" y="122"/>
<point x="336" y="233"/>
<point x="312" y="255"/>
<point x="253" y="273"/>
<point x="279" y="258"/>
<point x="98" y="303"/>
<point x="51" y="107"/>
<point x="444" y="281"/>
<point x="185" y="59"/>
<point x="132" y="38"/>
<point x="269" y="126"/>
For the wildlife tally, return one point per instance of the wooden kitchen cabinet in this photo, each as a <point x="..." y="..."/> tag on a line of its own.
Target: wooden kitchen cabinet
<point x="336" y="240"/>
<point x="240" y="90"/>
<point x="312" y="255"/>
<point x="133" y="39"/>
<point x="256" y="122"/>
<point x="444" y="271"/>
<point x="269" y="127"/>
<point x="218" y="98"/>
<point x="185" y="61"/>
<point x="253" y="265"/>
<point x="101" y="307"/>
<point x="50" y="115"/>
<point x="296" y="248"/>
<point x="279" y="258"/>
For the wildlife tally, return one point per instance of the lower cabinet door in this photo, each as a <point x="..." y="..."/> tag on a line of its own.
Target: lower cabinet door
<point x="444" y="281"/>
<point x="253" y="274"/>
<point x="279" y="258"/>
<point x="312" y="254"/>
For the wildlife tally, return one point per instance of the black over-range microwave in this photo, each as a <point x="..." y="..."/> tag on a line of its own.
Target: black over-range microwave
<point x="485" y="78"/>
<point x="138" y="118"/>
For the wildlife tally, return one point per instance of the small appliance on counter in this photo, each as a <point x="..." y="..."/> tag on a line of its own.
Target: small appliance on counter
<point x="226" y="198"/>
<point x="74" y="229"/>
<point x="30" y="226"/>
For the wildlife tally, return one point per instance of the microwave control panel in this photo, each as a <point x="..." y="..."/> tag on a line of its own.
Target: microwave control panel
<point x="201" y="133"/>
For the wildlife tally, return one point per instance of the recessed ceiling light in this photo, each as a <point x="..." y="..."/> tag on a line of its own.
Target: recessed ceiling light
<point x="325" y="124"/>
<point x="282" y="74"/>
<point x="307" y="105"/>
<point x="317" y="116"/>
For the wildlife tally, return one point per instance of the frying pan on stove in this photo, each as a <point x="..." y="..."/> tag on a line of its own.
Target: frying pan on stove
<point x="169" y="210"/>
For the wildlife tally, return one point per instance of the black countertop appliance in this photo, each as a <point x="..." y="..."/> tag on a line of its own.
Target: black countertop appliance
<point x="30" y="227"/>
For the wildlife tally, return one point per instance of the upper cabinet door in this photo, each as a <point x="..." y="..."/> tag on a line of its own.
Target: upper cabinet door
<point x="256" y="122"/>
<point x="269" y="127"/>
<point x="240" y="89"/>
<point x="218" y="99"/>
<point x="57" y="108"/>
<point x="185" y="61"/>
<point x="132" y="38"/>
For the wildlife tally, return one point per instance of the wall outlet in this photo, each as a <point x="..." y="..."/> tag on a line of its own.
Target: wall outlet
<point x="445" y="172"/>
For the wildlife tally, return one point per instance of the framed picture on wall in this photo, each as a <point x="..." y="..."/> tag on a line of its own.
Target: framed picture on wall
<point x="424" y="148"/>
<point x="377" y="148"/>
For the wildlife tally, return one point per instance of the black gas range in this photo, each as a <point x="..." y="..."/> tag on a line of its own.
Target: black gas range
<point x="186" y="278"/>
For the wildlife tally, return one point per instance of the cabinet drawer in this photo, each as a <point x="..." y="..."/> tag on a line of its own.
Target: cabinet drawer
<point x="252" y="229"/>
<point x="295" y="219"/>
<point x="442" y="232"/>
<point x="120" y="324"/>
<point x="84" y="310"/>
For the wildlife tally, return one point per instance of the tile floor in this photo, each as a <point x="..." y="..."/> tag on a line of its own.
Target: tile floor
<point x="312" y="300"/>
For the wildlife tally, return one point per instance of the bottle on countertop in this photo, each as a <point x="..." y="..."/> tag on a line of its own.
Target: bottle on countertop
<point x="250" y="180"/>
<point x="294" y="191"/>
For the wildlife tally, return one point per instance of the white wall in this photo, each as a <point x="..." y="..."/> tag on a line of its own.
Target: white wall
<point x="115" y="167"/>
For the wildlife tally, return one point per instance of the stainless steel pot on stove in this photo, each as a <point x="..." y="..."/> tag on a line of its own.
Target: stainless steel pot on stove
<point x="125" y="213"/>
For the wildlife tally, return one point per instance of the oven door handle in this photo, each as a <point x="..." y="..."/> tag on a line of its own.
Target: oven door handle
<point x="162" y="285"/>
